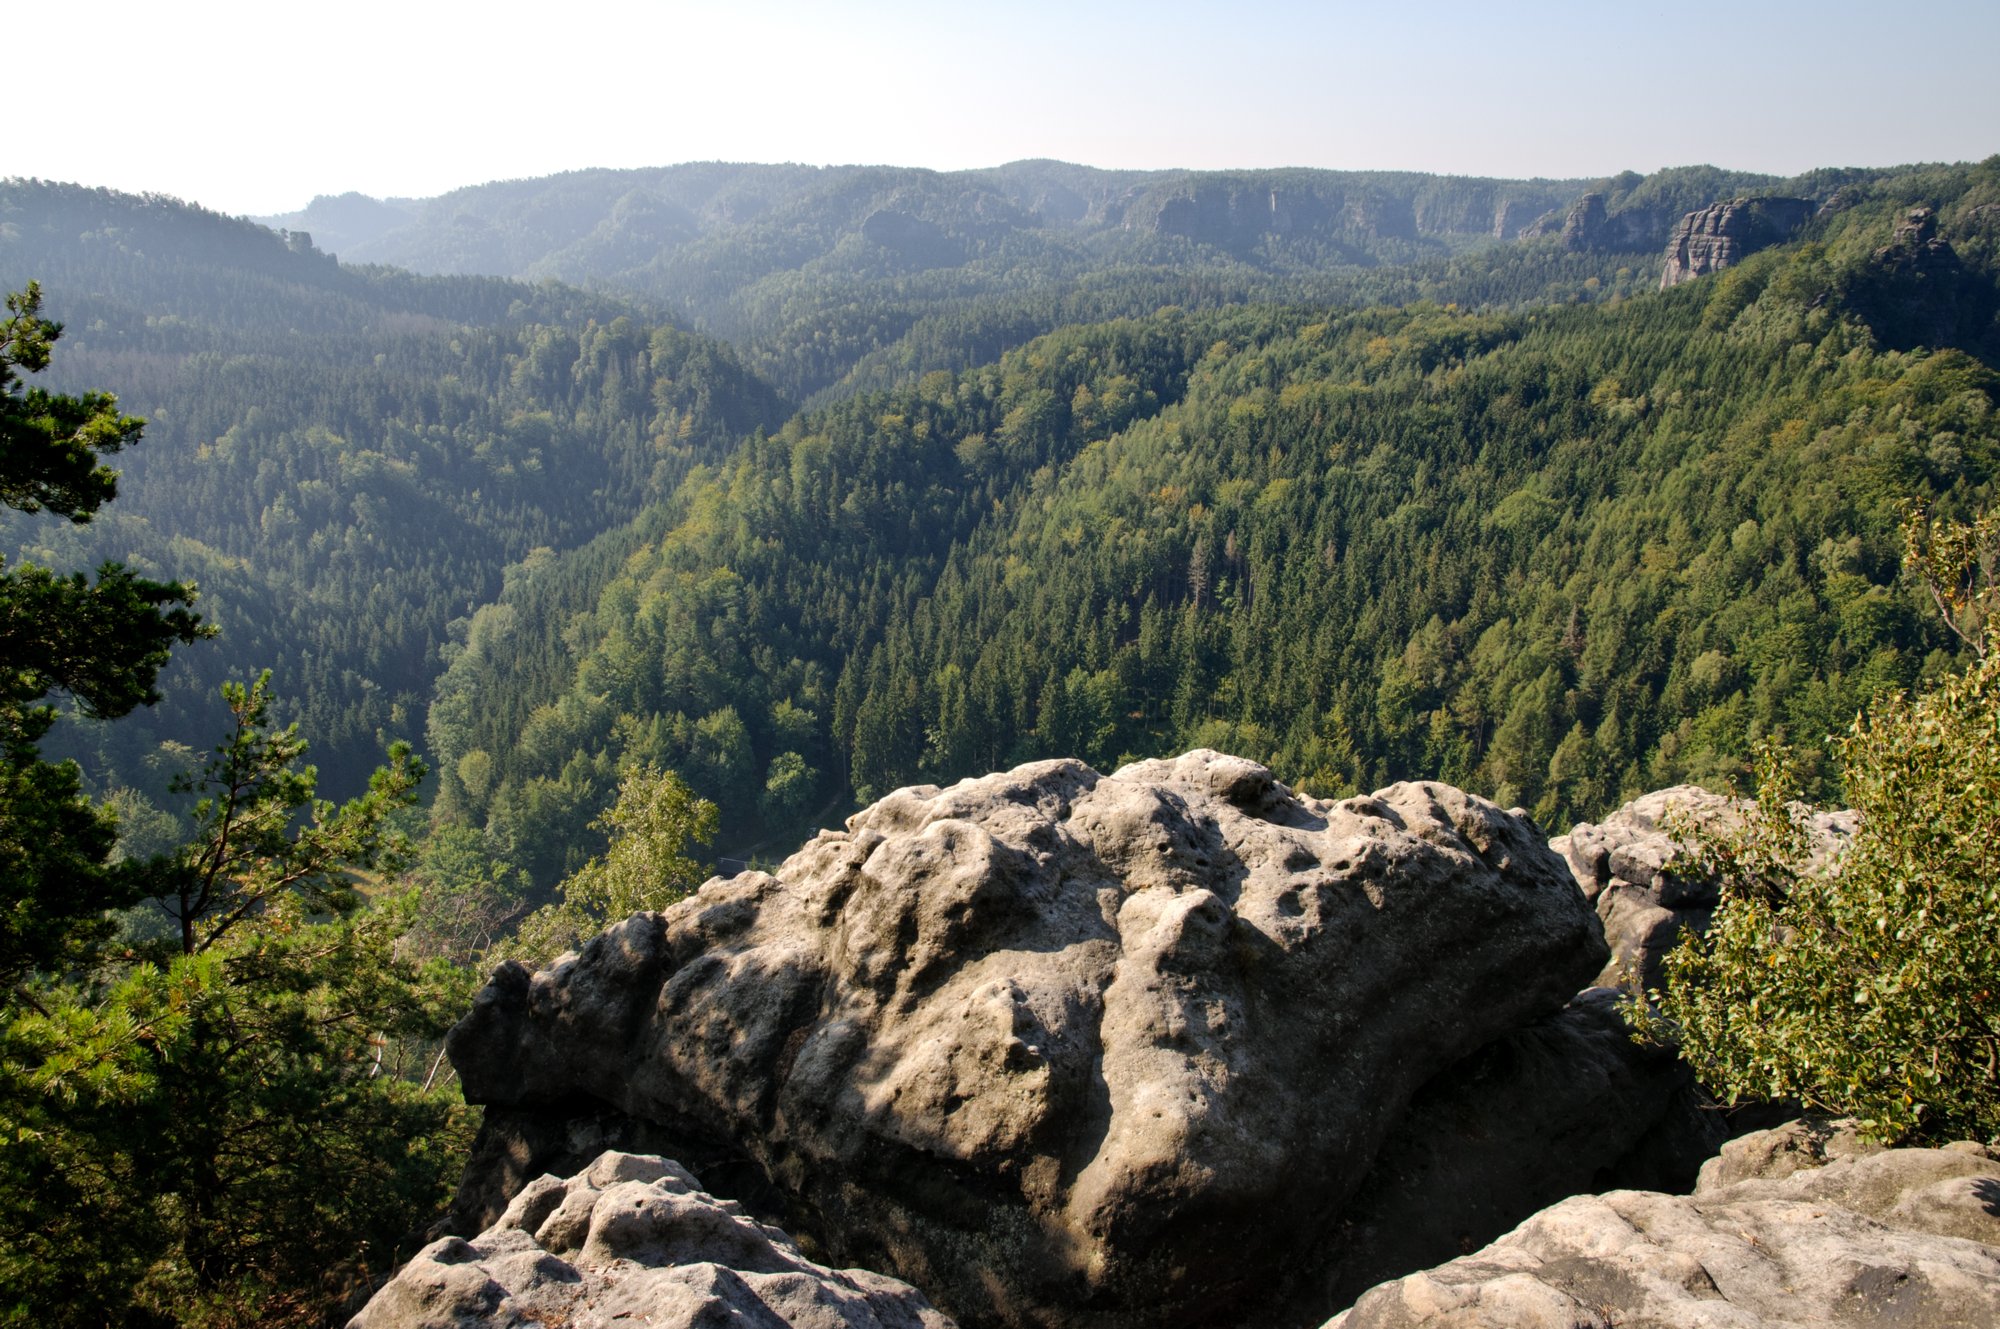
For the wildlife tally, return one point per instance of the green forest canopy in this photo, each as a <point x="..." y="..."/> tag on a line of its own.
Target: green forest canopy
<point x="1546" y="532"/>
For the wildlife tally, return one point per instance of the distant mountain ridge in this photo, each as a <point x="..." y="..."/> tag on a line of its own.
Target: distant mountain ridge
<point x="817" y="272"/>
<point x="546" y="226"/>
<point x="346" y="456"/>
<point x="1565" y="554"/>
<point x="343" y="457"/>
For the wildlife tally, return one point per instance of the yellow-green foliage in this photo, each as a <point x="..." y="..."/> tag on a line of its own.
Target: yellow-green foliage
<point x="646" y="866"/>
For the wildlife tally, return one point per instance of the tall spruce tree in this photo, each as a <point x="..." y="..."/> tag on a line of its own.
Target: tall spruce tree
<point x="101" y="642"/>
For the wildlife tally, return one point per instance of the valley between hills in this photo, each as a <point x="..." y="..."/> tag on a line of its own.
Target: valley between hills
<point x="899" y="552"/>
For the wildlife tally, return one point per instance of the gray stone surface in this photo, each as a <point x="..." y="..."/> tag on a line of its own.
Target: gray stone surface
<point x="1566" y="1106"/>
<point x="1626" y="867"/>
<point x="634" y="1240"/>
<point x="1589" y="226"/>
<point x="1062" y="1048"/>
<point x="1904" y="1237"/>
<point x="1772" y="1155"/>
<point x="1712" y="238"/>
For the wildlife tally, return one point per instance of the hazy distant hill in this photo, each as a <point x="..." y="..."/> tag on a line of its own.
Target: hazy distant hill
<point x="621" y="227"/>
<point x="348" y="456"/>
<point x="813" y="271"/>
<point x="788" y="216"/>
<point x="145" y="272"/>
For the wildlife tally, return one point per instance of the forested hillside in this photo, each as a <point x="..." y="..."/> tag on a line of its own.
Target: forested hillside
<point x="1561" y="555"/>
<point x="345" y="457"/>
<point x="1362" y="477"/>
<point x="345" y="460"/>
<point x="1414" y="521"/>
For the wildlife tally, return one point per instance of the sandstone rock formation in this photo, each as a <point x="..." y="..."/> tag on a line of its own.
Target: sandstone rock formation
<point x="1623" y="865"/>
<point x="1909" y="1237"/>
<point x="634" y="1240"/>
<point x="1589" y="226"/>
<point x="1917" y="291"/>
<point x="1510" y="217"/>
<point x="1711" y="238"/>
<point x="1059" y="1048"/>
<point x="1796" y="1146"/>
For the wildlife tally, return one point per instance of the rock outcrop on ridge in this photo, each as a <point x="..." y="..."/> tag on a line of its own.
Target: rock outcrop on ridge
<point x="1626" y="865"/>
<point x="1918" y="291"/>
<point x="634" y="1240"/>
<point x="1782" y="1231"/>
<point x="1712" y="238"/>
<point x="1060" y="1048"/>
<point x="1589" y="226"/>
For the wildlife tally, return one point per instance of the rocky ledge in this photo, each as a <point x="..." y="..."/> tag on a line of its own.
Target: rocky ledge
<point x="1786" y="1229"/>
<point x="634" y="1240"/>
<point x="1173" y="1046"/>
<point x="1633" y="869"/>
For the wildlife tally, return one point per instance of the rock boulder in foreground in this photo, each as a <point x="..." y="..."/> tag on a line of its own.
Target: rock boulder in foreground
<point x="1781" y="1232"/>
<point x="634" y="1240"/>
<point x="1059" y="1048"/>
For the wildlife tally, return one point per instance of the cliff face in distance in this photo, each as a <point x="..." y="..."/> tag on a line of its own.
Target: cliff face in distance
<point x="545" y="227"/>
<point x="1714" y="237"/>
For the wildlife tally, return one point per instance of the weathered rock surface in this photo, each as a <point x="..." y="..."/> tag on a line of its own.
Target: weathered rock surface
<point x="1712" y="238"/>
<point x="1622" y="864"/>
<point x="1061" y="1048"/>
<point x="1772" y="1155"/>
<point x="1918" y="291"/>
<point x="1905" y="1237"/>
<point x="633" y="1239"/>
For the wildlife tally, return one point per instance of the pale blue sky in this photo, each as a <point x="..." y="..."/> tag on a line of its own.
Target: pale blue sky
<point x="256" y="107"/>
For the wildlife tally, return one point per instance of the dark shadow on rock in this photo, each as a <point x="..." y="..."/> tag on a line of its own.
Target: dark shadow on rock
<point x="1567" y="1106"/>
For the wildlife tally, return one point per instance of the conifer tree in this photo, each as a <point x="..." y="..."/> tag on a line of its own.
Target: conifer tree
<point x="101" y="642"/>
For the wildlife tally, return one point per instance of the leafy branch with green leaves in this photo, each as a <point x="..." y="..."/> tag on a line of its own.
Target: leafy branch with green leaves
<point x="648" y="865"/>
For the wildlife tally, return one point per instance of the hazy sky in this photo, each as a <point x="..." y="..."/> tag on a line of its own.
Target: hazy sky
<point x="256" y="107"/>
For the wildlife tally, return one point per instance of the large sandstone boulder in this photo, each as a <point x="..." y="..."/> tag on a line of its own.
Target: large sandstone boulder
<point x="1632" y="868"/>
<point x="1059" y="1048"/>
<point x="1905" y="1237"/>
<point x="634" y="1240"/>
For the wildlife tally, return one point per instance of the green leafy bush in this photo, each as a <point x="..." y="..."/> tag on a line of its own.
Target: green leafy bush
<point x="1869" y="984"/>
